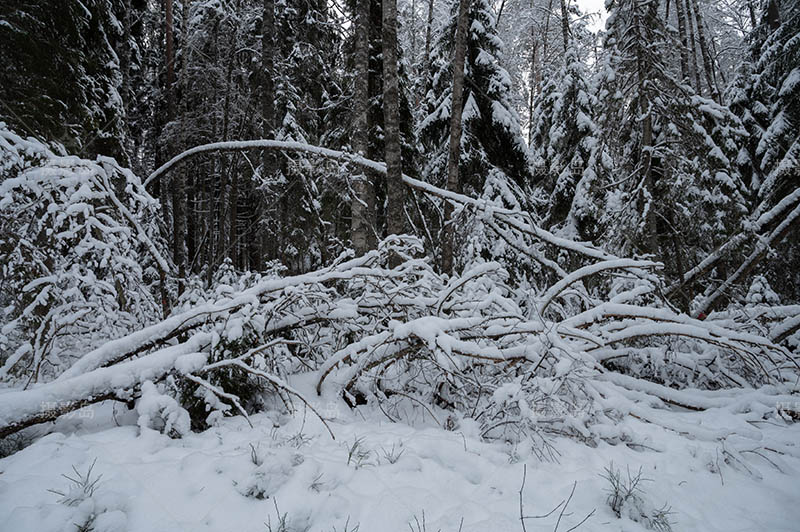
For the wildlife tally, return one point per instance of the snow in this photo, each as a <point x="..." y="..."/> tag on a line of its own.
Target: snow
<point x="790" y="83"/>
<point x="161" y="412"/>
<point x="233" y="477"/>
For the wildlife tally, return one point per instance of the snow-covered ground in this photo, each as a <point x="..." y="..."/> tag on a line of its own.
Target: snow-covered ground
<point x="234" y="478"/>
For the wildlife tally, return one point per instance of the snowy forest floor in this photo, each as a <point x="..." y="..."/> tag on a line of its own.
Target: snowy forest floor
<point x="287" y="474"/>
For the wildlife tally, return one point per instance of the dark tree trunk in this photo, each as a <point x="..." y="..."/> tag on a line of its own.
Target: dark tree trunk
<point x="428" y="31"/>
<point x="693" y="48"/>
<point x="650" y="237"/>
<point x="773" y="15"/>
<point x="170" y="59"/>
<point x="534" y="79"/>
<point x="708" y="66"/>
<point x="267" y="88"/>
<point x="680" y="15"/>
<point x="177" y="183"/>
<point x="395" y="190"/>
<point x="126" y="80"/>
<point x="267" y="116"/>
<point x="362" y="224"/>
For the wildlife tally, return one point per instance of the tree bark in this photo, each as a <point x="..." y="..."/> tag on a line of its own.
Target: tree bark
<point x="679" y="14"/>
<point x="188" y="178"/>
<point x="564" y="24"/>
<point x="395" y="191"/>
<point x="752" y="11"/>
<point x="499" y="13"/>
<point x="267" y="114"/>
<point x="693" y="48"/>
<point x="646" y="155"/>
<point x="130" y="148"/>
<point x="177" y="184"/>
<point x="533" y="81"/>
<point x="773" y="15"/>
<point x="454" y="152"/>
<point x="545" y="39"/>
<point x="708" y="66"/>
<point x="362" y="223"/>
<point x="225" y="233"/>
<point x="428" y="31"/>
<point x="267" y="75"/>
<point x="170" y="58"/>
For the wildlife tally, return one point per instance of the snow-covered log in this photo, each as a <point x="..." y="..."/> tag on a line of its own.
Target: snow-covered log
<point x="24" y="408"/>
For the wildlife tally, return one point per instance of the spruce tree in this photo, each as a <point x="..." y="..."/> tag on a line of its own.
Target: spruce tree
<point x="59" y="75"/>
<point x="675" y="195"/>
<point x="494" y="160"/>
<point x="568" y="151"/>
<point x="766" y="96"/>
<point x="491" y="139"/>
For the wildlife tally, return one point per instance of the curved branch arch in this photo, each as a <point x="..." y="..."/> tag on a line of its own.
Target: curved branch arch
<point x="518" y="220"/>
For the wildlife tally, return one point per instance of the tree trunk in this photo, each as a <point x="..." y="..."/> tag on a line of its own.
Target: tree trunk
<point x="170" y="59"/>
<point x="564" y="24"/>
<point x="267" y="115"/>
<point x="708" y="66"/>
<point x="535" y="74"/>
<point x="454" y="152"/>
<point x="545" y="39"/>
<point x="130" y="149"/>
<point x="188" y="178"/>
<point x="693" y="48"/>
<point x="177" y="183"/>
<point x="773" y="15"/>
<point x="533" y="82"/>
<point x="233" y="203"/>
<point x="679" y="14"/>
<point x="267" y="75"/>
<point x="225" y="234"/>
<point x="414" y="63"/>
<point x="645" y="162"/>
<point x="395" y="190"/>
<point x="499" y="13"/>
<point x="428" y="30"/>
<point x="362" y="222"/>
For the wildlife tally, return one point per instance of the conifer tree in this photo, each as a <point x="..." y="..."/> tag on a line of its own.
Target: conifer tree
<point x="59" y="74"/>
<point x="766" y="96"/>
<point x="676" y="195"/>
<point x="494" y="161"/>
<point x="568" y="151"/>
<point x="491" y="138"/>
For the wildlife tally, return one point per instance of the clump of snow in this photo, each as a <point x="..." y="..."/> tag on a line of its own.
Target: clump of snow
<point x="160" y="412"/>
<point x="266" y="479"/>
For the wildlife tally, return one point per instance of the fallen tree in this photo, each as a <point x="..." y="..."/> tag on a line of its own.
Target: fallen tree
<point x="572" y="359"/>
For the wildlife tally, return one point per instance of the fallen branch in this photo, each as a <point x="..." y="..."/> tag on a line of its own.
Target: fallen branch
<point x="21" y="409"/>
<point x="512" y="218"/>
<point x="750" y="262"/>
